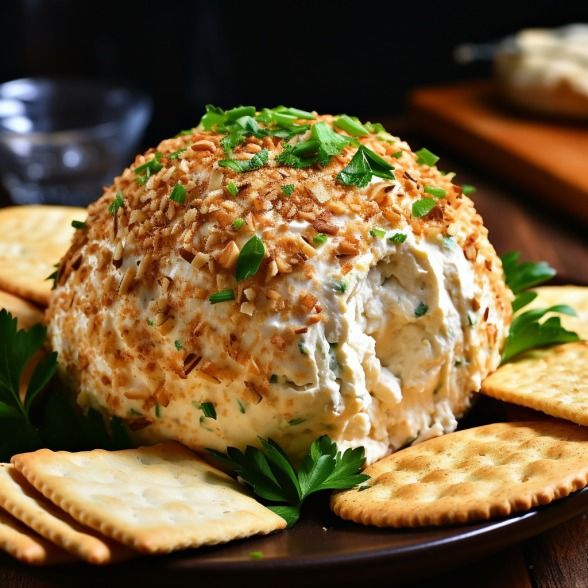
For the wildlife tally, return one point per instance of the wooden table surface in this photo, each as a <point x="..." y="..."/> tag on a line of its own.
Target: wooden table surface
<point x="558" y="558"/>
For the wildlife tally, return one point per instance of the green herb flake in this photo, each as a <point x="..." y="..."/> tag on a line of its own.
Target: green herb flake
<point x="302" y="347"/>
<point x="364" y="165"/>
<point x="241" y="166"/>
<point x="117" y="203"/>
<point x="146" y="170"/>
<point x="150" y="322"/>
<point x="250" y="258"/>
<point x="423" y="207"/>
<point x="351" y="125"/>
<point x="242" y="407"/>
<point x="397" y="154"/>
<point x="176" y="154"/>
<point x="237" y="224"/>
<point x="436" y="192"/>
<point x="320" y="239"/>
<point x="288" y="189"/>
<point x="158" y="410"/>
<point x="398" y="238"/>
<point x="426" y="157"/>
<point x="256" y="555"/>
<point x="78" y="225"/>
<point x="222" y="296"/>
<point x="468" y="189"/>
<point x="207" y="409"/>
<point x="295" y="112"/>
<point x="232" y="189"/>
<point x="421" y="310"/>
<point x="377" y="233"/>
<point x="178" y="194"/>
<point x="296" y="421"/>
<point x="340" y="287"/>
<point x="273" y="379"/>
<point x="54" y="276"/>
<point x="178" y="344"/>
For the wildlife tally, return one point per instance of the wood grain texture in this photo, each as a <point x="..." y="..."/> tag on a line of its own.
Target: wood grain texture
<point x="548" y="158"/>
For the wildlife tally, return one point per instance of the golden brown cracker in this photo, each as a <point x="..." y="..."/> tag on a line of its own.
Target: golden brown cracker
<point x="470" y="475"/>
<point x="32" y="240"/>
<point x="153" y="499"/>
<point x="26" y="314"/>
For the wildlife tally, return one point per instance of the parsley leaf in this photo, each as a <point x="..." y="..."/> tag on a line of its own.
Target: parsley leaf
<point x="363" y="166"/>
<point x="288" y="189"/>
<point x="239" y="165"/>
<point x="250" y="258"/>
<point x="178" y="194"/>
<point x="271" y="475"/>
<point x="524" y="275"/>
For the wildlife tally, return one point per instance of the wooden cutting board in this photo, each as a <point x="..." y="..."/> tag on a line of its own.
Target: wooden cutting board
<point x="547" y="158"/>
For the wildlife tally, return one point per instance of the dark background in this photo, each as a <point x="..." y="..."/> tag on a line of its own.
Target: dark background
<point x="358" y="57"/>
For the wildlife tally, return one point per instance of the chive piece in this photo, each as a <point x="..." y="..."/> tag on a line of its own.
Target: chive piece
<point x="340" y="287"/>
<point x="351" y="126"/>
<point x="118" y="201"/>
<point x="397" y="154"/>
<point x="158" y="410"/>
<point x="288" y="189"/>
<point x="239" y="111"/>
<point x="467" y="189"/>
<point x="374" y="128"/>
<point x="146" y="170"/>
<point x="296" y="112"/>
<point x="320" y="239"/>
<point x="222" y="296"/>
<point x="421" y="309"/>
<point x="250" y="258"/>
<point x="178" y="344"/>
<point x="237" y="224"/>
<point x="176" y="154"/>
<point x="239" y="165"/>
<point x="423" y="206"/>
<point x="232" y="189"/>
<point x="426" y="157"/>
<point x="178" y="194"/>
<point x="256" y="554"/>
<point x="437" y="192"/>
<point x="242" y="408"/>
<point x="150" y="322"/>
<point x="302" y="347"/>
<point x="398" y="238"/>
<point x="377" y="233"/>
<point x="296" y="421"/>
<point x="78" y="225"/>
<point x="207" y="409"/>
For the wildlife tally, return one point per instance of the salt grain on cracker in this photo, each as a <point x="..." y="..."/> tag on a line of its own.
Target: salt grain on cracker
<point x="30" y="507"/>
<point x="552" y="380"/>
<point x="474" y="474"/>
<point x="153" y="499"/>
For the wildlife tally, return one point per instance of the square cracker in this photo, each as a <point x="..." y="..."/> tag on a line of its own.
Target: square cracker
<point x="553" y="380"/>
<point x="470" y="475"/>
<point x="153" y="499"/>
<point x="26" y="546"/>
<point x="30" y="507"/>
<point x="32" y="240"/>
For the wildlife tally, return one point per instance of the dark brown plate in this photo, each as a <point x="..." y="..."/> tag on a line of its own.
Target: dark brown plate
<point x="324" y="550"/>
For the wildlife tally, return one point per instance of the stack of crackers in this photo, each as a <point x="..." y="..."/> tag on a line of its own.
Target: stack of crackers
<point x="103" y="507"/>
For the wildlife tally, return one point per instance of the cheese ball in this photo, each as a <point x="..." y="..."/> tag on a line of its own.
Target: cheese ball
<point x="282" y="277"/>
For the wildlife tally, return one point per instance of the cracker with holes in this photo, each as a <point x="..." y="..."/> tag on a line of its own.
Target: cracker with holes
<point x="471" y="475"/>
<point x="32" y="240"/>
<point x="552" y="380"/>
<point x="26" y="314"/>
<point x="25" y="545"/>
<point x="30" y="507"/>
<point x="153" y="499"/>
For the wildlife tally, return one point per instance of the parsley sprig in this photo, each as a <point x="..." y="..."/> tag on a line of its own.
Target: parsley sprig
<point x="271" y="475"/>
<point x="526" y="331"/>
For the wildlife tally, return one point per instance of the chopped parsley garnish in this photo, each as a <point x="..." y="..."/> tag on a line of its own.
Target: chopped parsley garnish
<point x="271" y="475"/>
<point x="397" y="154"/>
<point x="237" y="224"/>
<point x="296" y="421"/>
<point x="157" y="410"/>
<point x="54" y="276"/>
<point x="526" y="331"/>
<point x="178" y="194"/>
<point x="207" y="409"/>
<point x="145" y="171"/>
<point x="78" y="225"/>
<point x="222" y="296"/>
<point x="351" y="126"/>
<point x="178" y="344"/>
<point x="288" y="189"/>
<point x="468" y="189"/>
<point x="377" y="233"/>
<point x="423" y="207"/>
<point x="242" y="407"/>
<point x="232" y="189"/>
<point x="364" y="165"/>
<point x="421" y="310"/>
<point x="250" y="258"/>
<point x="256" y="554"/>
<point x="302" y="347"/>
<point x="398" y="238"/>
<point x="117" y="203"/>
<point x="150" y="322"/>
<point x="426" y="157"/>
<point x="436" y="192"/>
<point x="241" y="166"/>
<point x="176" y="154"/>
<point x="340" y="287"/>
<point x="320" y="239"/>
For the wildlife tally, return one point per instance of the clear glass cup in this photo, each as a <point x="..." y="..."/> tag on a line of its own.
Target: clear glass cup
<point x="62" y="140"/>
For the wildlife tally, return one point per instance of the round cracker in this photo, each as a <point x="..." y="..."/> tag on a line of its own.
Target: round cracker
<point x="32" y="240"/>
<point x="26" y="314"/>
<point x="471" y="475"/>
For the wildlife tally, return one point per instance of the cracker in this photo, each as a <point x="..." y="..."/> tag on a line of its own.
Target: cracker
<point x="471" y="475"/>
<point x="153" y="499"/>
<point x="553" y="380"/>
<point x="32" y="240"/>
<point x="30" y="507"/>
<point x="26" y="546"/>
<point x="575" y="296"/>
<point x="27" y="314"/>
